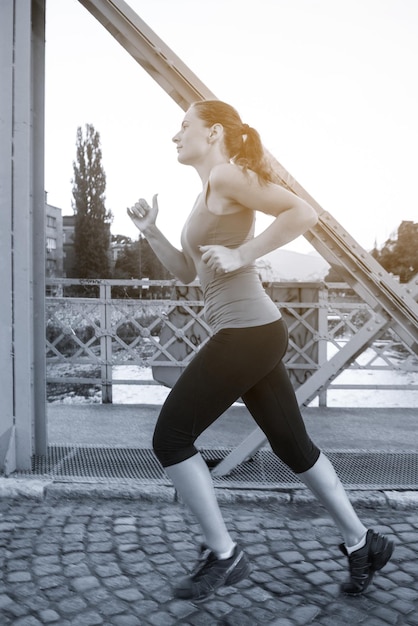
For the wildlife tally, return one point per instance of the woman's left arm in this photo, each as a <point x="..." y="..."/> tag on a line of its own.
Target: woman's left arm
<point x="293" y="216"/>
<point x="287" y="226"/>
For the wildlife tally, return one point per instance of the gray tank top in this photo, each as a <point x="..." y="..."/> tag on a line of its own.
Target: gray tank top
<point x="236" y="299"/>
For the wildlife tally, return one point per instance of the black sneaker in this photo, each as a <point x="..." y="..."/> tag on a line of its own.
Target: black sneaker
<point x="363" y="563"/>
<point x="211" y="573"/>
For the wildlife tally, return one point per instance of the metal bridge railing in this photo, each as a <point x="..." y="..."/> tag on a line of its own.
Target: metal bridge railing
<point x="94" y="325"/>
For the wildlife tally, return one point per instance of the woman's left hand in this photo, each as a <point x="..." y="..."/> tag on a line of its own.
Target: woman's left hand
<point x="221" y="259"/>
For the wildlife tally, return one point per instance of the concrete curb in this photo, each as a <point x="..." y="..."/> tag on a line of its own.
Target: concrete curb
<point x="18" y="488"/>
<point x="48" y="490"/>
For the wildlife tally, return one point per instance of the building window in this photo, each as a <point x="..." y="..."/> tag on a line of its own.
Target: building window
<point x="51" y="244"/>
<point x="68" y="237"/>
<point x="51" y="221"/>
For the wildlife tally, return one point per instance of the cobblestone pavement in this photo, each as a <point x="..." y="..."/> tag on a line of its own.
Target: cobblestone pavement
<point x="112" y="562"/>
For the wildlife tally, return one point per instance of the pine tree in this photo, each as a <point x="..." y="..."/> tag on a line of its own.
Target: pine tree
<point x="92" y="221"/>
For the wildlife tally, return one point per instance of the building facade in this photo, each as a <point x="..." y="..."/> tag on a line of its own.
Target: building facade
<point x="68" y="223"/>
<point x="53" y="241"/>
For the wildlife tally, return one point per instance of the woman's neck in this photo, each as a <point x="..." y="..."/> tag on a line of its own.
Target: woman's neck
<point x="206" y="166"/>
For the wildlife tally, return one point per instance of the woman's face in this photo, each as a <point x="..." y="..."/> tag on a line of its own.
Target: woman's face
<point x="192" y="139"/>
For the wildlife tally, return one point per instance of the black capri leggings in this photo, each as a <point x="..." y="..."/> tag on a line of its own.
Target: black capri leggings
<point x="234" y="363"/>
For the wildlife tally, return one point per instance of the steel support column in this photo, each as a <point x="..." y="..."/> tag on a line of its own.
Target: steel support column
<point x="22" y="228"/>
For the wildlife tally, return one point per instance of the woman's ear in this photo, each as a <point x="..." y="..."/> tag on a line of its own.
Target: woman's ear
<point x="216" y="132"/>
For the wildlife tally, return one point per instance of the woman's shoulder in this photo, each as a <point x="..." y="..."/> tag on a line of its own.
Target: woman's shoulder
<point x="227" y="176"/>
<point x="226" y="189"/>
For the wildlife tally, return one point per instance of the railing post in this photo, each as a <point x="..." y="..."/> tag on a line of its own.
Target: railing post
<point x="322" y="336"/>
<point x="106" y="342"/>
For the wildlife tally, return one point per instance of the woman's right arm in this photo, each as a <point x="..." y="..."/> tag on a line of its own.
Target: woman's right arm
<point x="176" y="261"/>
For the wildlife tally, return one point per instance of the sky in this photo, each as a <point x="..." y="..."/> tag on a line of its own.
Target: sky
<point x="331" y="86"/>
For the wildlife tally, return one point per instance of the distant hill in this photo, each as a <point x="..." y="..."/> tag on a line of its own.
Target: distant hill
<point x="287" y="265"/>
